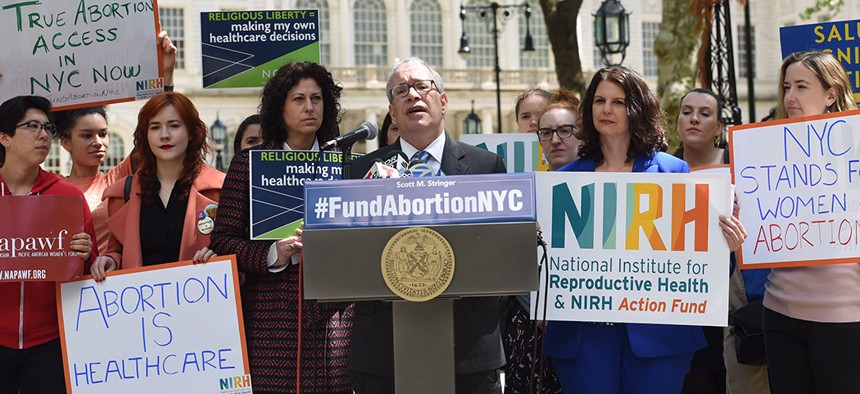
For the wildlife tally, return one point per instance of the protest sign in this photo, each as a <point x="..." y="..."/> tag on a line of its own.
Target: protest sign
<point x="79" y="53"/>
<point x="799" y="199"/>
<point x="839" y="38"/>
<point x="172" y="328"/>
<point x="633" y="248"/>
<point x="246" y="48"/>
<point x="520" y="151"/>
<point x="35" y="237"/>
<point x="277" y="188"/>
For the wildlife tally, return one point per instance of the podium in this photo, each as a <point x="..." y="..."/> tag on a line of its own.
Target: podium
<point x="492" y="237"/>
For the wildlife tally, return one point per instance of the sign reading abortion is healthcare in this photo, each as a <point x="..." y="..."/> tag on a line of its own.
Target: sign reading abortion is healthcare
<point x="799" y="199"/>
<point x="172" y="328"/>
<point x="79" y="53"/>
<point x="246" y="48"/>
<point x="841" y="38"/>
<point x="634" y="248"/>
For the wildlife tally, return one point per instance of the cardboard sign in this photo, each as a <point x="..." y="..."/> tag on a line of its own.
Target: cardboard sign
<point x="839" y="38"/>
<point x="171" y="328"/>
<point x="799" y="198"/>
<point x="633" y="248"/>
<point x="35" y="237"/>
<point x="521" y="152"/>
<point x="245" y="48"/>
<point x="79" y="53"/>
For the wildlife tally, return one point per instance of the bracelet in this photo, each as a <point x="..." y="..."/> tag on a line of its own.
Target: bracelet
<point x="168" y="88"/>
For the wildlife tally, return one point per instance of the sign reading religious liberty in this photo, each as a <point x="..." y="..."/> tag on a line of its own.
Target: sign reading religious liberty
<point x="800" y="197"/>
<point x="79" y="53"/>
<point x="246" y="48"/>
<point x="633" y="247"/>
<point x="841" y="38"/>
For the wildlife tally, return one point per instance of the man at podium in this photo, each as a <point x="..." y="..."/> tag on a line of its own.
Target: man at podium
<point x="417" y="105"/>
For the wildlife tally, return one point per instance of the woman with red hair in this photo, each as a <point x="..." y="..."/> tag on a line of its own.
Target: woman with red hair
<point x="166" y="210"/>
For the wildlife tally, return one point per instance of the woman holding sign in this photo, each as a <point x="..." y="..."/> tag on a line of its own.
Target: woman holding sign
<point x="30" y="357"/>
<point x="300" y="110"/>
<point x="812" y="314"/>
<point x="622" y="131"/>
<point x="165" y="211"/>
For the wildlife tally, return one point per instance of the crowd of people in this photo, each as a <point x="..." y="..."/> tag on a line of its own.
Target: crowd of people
<point x="147" y="211"/>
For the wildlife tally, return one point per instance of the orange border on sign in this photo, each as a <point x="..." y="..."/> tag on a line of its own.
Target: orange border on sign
<point x="710" y="167"/>
<point x="239" y="316"/>
<point x="747" y="127"/>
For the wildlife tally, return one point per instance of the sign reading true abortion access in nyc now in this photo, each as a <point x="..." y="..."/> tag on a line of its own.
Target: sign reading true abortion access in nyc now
<point x="245" y="48"/>
<point x="35" y="237"/>
<point x="633" y="248"/>
<point x="799" y="196"/>
<point x="841" y="38"/>
<point x="171" y="328"/>
<point x="81" y="52"/>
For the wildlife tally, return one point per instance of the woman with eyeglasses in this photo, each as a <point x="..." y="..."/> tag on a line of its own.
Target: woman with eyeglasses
<point x="300" y="110"/>
<point x="30" y="356"/>
<point x="622" y="131"/>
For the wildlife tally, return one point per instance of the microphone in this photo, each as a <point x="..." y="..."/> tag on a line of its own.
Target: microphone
<point x="420" y="169"/>
<point x="380" y="170"/>
<point x="396" y="159"/>
<point x="367" y="131"/>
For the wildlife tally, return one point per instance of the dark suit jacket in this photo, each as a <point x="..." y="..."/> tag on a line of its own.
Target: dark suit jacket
<point x="477" y="341"/>
<point x="562" y="339"/>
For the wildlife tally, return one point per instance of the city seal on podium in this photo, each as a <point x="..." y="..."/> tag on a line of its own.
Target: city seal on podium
<point x="418" y="264"/>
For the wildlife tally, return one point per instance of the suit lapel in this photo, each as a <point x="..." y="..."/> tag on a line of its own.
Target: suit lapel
<point x="452" y="158"/>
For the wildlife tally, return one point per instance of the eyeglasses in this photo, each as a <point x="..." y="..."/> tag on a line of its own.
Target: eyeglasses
<point x="34" y="126"/>
<point x="563" y="131"/>
<point x="422" y="87"/>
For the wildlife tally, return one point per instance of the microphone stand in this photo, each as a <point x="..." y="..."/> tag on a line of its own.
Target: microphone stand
<point x="346" y="161"/>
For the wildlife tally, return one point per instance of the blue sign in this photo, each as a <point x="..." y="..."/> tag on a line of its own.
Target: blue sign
<point x="839" y="38"/>
<point x="461" y="199"/>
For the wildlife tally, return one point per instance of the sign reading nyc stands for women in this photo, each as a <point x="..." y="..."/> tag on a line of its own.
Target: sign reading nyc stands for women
<point x="799" y="197"/>
<point x="80" y="52"/>
<point x="634" y="247"/>
<point x="35" y="237"/>
<point x="246" y="48"/>
<point x="841" y="38"/>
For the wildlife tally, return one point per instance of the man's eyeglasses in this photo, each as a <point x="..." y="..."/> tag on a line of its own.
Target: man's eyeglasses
<point x="422" y="87"/>
<point x="563" y="131"/>
<point x="34" y="126"/>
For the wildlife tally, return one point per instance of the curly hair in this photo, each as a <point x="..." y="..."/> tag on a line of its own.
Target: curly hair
<point x="564" y="99"/>
<point x="14" y="109"/>
<point x="830" y="73"/>
<point x="645" y="118"/>
<point x="275" y="93"/>
<point x="65" y="120"/>
<point x="195" y="154"/>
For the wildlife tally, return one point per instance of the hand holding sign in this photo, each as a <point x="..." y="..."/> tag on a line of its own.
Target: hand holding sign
<point x="82" y="244"/>
<point x="168" y="56"/>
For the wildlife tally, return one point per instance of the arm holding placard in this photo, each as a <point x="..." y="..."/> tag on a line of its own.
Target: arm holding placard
<point x="168" y="58"/>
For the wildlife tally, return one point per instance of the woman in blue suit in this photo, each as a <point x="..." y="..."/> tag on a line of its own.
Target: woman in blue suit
<point x="622" y="131"/>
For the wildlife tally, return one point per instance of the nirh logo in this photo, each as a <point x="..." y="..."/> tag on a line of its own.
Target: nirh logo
<point x="235" y="384"/>
<point x="582" y="218"/>
<point x="150" y="84"/>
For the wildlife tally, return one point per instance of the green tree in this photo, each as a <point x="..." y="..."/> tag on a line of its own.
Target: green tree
<point x="560" y="18"/>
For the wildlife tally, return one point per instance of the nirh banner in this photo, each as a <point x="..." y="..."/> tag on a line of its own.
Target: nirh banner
<point x="521" y="152"/>
<point x="80" y="53"/>
<point x="633" y="248"/>
<point x="839" y="38"/>
<point x="800" y="198"/>
<point x="245" y="48"/>
<point x="35" y="237"/>
<point x="171" y="328"/>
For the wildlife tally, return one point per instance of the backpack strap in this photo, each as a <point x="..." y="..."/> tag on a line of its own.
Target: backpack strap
<point x="127" y="190"/>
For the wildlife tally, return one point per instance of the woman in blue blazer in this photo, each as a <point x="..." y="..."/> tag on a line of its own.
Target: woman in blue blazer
<point x="622" y="131"/>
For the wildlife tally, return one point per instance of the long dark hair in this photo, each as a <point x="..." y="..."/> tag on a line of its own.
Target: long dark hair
<point x="14" y="109"/>
<point x="275" y="93"/>
<point x="194" y="155"/>
<point x="645" y="119"/>
<point x="240" y="134"/>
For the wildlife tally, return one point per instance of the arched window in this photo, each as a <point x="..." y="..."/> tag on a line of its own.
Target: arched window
<point x="325" y="40"/>
<point x="371" y="35"/>
<point x="478" y="30"/>
<point x="426" y="22"/>
<point x="116" y="151"/>
<point x="537" y="27"/>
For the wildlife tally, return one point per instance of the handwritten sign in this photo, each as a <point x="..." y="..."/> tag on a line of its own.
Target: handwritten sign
<point x="78" y="53"/>
<point x="246" y="48"/>
<point x="35" y="237"/>
<point x="839" y="38"/>
<point x="521" y="151"/>
<point x="634" y="247"/>
<point x="800" y="198"/>
<point x="172" y="328"/>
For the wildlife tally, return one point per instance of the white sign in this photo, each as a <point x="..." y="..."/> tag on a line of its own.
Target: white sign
<point x="520" y="151"/>
<point x="799" y="197"/>
<point x="79" y="52"/>
<point x="173" y="328"/>
<point x="633" y="247"/>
